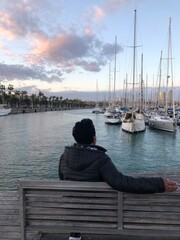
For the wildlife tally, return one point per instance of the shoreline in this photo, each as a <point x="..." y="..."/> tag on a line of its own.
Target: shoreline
<point x="43" y="109"/>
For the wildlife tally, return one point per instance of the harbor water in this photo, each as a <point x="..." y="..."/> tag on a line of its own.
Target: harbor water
<point x="31" y="144"/>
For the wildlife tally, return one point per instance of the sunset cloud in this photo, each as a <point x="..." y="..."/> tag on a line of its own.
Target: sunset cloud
<point x="99" y="13"/>
<point x="20" y="19"/>
<point x="21" y="72"/>
<point x="108" y="7"/>
<point x="49" y="45"/>
<point x="73" y="50"/>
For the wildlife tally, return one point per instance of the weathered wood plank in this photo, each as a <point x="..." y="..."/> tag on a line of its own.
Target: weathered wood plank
<point x="52" y="184"/>
<point x="62" y="218"/>
<point x="9" y="216"/>
<point x="66" y="224"/>
<point x="55" y="211"/>
<point x="73" y="200"/>
<point x="74" y="192"/>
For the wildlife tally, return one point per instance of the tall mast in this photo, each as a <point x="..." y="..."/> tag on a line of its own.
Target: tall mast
<point x="134" y="55"/>
<point x="109" y="84"/>
<point x="160" y="74"/>
<point x="171" y="66"/>
<point x="115" y="68"/>
<point x="97" y="94"/>
<point x="142" y="97"/>
<point x="167" y="79"/>
<point x="125" y="92"/>
<point x="172" y="77"/>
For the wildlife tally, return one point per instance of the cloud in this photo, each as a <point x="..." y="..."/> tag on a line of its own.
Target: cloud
<point x="113" y="5"/>
<point x="108" y="7"/>
<point x="64" y="49"/>
<point x="98" y="13"/>
<point x="89" y="66"/>
<point x="69" y="51"/>
<point x="18" y="18"/>
<point x="21" y="72"/>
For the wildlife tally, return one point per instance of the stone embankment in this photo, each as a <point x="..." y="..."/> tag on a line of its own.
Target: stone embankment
<point x="44" y="109"/>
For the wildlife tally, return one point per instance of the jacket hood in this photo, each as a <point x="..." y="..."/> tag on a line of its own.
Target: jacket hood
<point x="79" y="157"/>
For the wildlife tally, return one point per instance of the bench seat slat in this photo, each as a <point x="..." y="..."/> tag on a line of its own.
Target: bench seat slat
<point x="165" y="221"/>
<point x="57" y="211"/>
<point x="151" y="227"/>
<point x="73" y="206"/>
<point x="72" y="218"/>
<point x="66" y="193"/>
<point x="151" y="208"/>
<point x="72" y="224"/>
<point x="151" y="215"/>
<point x="71" y="200"/>
<point x="158" y="202"/>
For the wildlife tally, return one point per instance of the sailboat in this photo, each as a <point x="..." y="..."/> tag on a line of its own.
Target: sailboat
<point x="4" y="111"/>
<point x="165" y="122"/>
<point x="111" y="116"/>
<point x="133" y="121"/>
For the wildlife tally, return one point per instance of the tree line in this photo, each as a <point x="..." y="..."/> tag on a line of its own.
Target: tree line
<point x="20" y="99"/>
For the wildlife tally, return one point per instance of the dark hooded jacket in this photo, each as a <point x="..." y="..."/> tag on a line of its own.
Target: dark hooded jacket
<point x="91" y="163"/>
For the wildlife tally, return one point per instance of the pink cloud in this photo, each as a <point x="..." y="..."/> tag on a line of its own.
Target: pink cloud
<point x="61" y="47"/>
<point x="114" y="5"/>
<point x="7" y="25"/>
<point x="98" y="13"/>
<point x="109" y="6"/>
<point x="4" y="48"/>
<point x="19" y="18"/>
<point x="88" y="31"/>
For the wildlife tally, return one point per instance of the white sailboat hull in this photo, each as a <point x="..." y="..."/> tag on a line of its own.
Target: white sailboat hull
<point x="5" y="111"/>
<point x="133" y="123"/>
<point x="111" y="120"/>
<point x="163" y="123"/>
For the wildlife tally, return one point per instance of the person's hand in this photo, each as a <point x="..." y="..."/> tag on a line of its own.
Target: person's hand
<point x="170" y="186"/>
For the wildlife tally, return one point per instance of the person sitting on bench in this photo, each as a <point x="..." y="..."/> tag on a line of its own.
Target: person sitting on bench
<point x="86" y="161"/>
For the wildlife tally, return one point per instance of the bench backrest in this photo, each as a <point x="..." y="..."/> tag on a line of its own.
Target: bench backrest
<point x="91" y="207"/>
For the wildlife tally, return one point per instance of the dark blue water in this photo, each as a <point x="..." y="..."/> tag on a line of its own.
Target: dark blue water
<point x="31" y="144"/>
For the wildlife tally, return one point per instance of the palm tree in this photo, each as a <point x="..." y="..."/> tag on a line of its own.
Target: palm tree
<point x="2" y="91"/>
<point x="33" y="97"/>
<point x="61" y="98"/>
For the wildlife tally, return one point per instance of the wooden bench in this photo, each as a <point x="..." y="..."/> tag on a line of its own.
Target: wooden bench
<point x="95" y="208"/>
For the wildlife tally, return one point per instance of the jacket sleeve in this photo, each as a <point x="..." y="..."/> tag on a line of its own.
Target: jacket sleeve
<point x="124" y="183"/>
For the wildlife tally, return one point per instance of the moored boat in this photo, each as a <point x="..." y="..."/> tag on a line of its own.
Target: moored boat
<point x="167" y="121"/>
<point x="112" y="118"/>
<point x="164" y="123"/>
<point x="4" y="111"/>
<point x="133" y="121"/>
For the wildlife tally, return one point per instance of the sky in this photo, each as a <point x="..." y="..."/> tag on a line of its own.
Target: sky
<point x="68" y="46"/>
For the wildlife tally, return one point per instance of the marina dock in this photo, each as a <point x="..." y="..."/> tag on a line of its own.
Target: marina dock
<point x="10" y="227"/>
